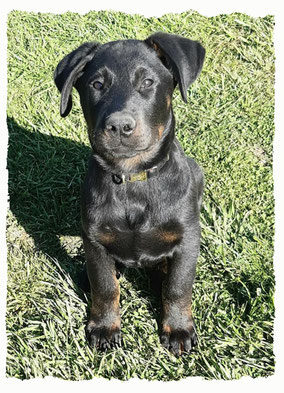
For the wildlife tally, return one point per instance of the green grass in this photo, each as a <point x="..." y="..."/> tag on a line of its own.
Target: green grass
<point x="227" y="127"/>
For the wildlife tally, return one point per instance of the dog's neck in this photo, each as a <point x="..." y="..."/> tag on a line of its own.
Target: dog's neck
<point x="140" y="176"/>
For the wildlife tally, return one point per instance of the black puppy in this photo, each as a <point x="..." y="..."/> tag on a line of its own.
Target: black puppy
<point x="142" y="196"/>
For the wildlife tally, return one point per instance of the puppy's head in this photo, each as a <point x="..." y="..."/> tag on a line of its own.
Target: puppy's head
<point x="125" y="90"/>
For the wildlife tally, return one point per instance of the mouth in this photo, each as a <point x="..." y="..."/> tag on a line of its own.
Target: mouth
<point x="124" y="156"/>
<point x="125" y="151"/>
<point x="123" y="148"/>
<point x="116" y="146"/>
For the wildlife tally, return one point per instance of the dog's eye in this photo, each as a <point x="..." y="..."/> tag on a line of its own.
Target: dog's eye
<point x="98" y="85"/>
<point x="146" y="83"/>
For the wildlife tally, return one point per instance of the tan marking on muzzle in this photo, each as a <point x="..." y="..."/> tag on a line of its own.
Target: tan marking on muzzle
<point x="168" y="101"/>
<point x="132" y="163"/>
<point x="129" y="163"/>
<point x="161" y="129"/>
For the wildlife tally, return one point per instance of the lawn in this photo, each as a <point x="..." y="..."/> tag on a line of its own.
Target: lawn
<point x="227" y="126"/>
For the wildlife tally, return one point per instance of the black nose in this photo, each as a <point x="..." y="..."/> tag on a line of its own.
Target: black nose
<point x="120" y="122"/>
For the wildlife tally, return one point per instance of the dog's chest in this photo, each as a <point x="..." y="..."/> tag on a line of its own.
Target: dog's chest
<point x="137" y="233"/>
<point x="132" y="246"/>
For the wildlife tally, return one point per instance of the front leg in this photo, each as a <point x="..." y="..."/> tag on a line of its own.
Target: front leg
<point x="178" y="328"/>
<point x="103" y="327"/>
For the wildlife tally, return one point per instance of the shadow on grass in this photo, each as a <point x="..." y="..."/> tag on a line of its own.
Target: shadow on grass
<point x="45" y="177"/>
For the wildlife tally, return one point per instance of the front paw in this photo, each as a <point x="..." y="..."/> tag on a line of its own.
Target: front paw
<point x="178" y="340"/>
<point x="103" y="337"/>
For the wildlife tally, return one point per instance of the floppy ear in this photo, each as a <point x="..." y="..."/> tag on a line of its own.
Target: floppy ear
<point x="182" y="56"/>
<point x="69" y="70"/>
